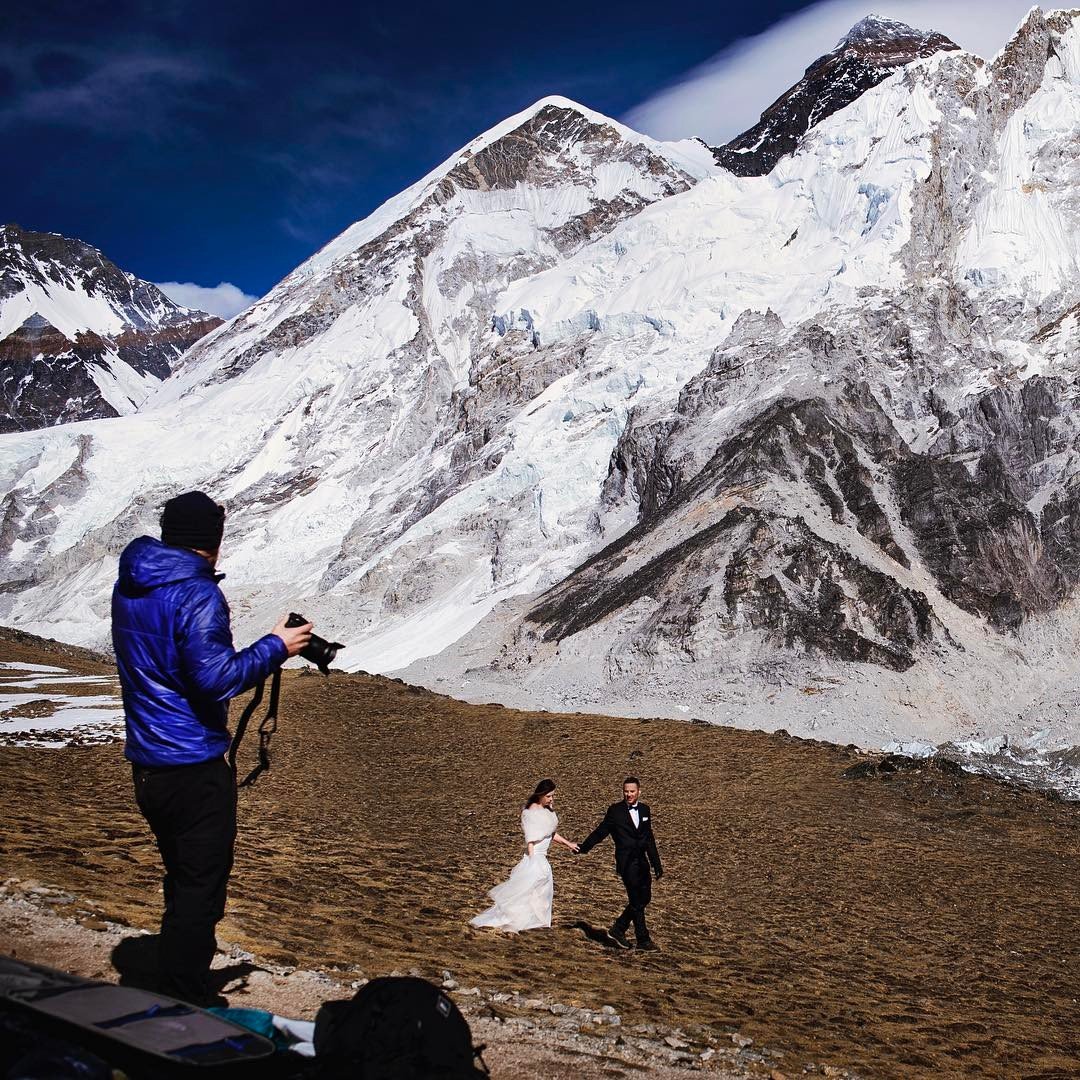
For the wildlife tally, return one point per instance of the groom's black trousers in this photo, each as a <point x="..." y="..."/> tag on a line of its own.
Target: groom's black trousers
<point x="637" y="878"/>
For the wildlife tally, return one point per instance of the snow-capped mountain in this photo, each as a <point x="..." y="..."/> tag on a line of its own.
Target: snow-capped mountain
<point x="79" y="337"/>
<point x="357" y="397"/>
<point x="868" y="53"/>
<point x="586" y="421"/>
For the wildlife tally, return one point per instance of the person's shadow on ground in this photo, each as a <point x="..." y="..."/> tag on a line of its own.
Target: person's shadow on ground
<point x="596" y="934"/>
<point x="135" y="960"/>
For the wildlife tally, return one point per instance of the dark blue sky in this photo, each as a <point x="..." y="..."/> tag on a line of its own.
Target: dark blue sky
<point x="227" y="141"/>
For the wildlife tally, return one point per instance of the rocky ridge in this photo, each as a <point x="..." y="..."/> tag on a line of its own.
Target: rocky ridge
<point x="79" y="337"/>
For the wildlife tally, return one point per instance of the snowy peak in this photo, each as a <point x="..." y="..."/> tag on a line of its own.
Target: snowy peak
<point x="557" y="110"/>
<point x="868" y="53"/>
<point x="79" y="337"/>
<point x="875" y="32"/>
<point x="529" y="153"/>
<point x="560" y="114"/>
<point x="562" y="143"/>
<point x="37" y="269"/>
<point x="420" y="273"/>
<point x="557" y="123"/>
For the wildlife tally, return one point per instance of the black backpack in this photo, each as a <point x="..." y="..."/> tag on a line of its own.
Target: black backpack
<point x="399" y="1028"/>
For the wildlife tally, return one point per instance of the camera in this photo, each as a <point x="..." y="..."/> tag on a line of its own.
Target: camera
<point x="319" y="651"/>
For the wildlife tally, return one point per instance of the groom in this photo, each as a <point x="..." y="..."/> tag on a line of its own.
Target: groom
<point x="629" y="823"/>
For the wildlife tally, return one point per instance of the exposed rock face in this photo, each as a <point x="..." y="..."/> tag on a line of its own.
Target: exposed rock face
<point x="990" y="510"/>
<point x="119" y="334"/>
<point x="749" y="572"/>
<point x="45" y="377"/>
<point x="871" y="51"/>
<point x="733" y="528"/>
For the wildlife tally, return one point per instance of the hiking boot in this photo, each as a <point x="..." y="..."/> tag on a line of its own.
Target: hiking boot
<point x="619" y="937"/>
<point x="648" y="946"/>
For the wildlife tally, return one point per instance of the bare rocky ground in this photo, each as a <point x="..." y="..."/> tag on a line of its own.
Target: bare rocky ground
<point x="523" y="1035"/>
<point x="918" y="922"/>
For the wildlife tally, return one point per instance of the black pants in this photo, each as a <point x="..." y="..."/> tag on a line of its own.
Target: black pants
<point x="192" y="811"/>
<point x="638" y="881"/>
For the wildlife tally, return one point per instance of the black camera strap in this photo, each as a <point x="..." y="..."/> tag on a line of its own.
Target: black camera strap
<point x="266" y="729"/>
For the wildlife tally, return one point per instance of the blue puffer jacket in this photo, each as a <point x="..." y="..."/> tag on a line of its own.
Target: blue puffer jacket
<point x="174" y="649"/>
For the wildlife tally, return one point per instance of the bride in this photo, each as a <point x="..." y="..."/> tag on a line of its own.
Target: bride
<point x="523" y="901"/>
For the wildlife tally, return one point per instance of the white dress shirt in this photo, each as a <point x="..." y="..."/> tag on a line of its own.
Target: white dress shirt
<point x="635" y="816"/>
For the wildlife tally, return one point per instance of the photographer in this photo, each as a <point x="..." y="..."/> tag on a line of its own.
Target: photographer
<point x="178" y="670"/>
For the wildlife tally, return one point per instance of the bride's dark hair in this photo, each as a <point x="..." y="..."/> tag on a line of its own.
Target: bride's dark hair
<point x="541" y="790"/>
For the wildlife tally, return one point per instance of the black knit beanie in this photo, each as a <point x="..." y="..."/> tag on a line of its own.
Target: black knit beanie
<point x="193" y="520"/>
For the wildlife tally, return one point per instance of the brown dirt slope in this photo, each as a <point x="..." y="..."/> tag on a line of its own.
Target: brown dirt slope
<point x="917" y="925"/>
<point x="17" y="646"/>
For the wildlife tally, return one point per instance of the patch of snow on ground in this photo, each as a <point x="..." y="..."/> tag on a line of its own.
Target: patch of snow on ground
<point x="62" y="718"/>
<point x="1012" y="761"/>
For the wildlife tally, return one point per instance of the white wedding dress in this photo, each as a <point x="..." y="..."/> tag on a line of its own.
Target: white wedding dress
<point x="523" y="901"/>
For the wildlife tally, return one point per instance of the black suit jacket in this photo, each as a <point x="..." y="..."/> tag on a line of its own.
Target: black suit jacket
<point x="630" y="843"/>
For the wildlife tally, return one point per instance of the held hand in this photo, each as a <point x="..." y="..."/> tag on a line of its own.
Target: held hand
<point x="296" y="638"/>
<point x="575" y="848"/>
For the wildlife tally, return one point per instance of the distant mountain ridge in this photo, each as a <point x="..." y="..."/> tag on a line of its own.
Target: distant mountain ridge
<point x="585" y="420"/>
<point x="868" y="53"/>
<point x="79" y="337"/>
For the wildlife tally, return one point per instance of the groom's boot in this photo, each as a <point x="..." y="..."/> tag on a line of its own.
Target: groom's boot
<point x="617" y="933"/>
<point x="641" y="930"/>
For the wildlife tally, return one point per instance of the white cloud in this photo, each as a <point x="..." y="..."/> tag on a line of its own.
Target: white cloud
<point x="225" y="299"/>
<point x="724" y="96"/>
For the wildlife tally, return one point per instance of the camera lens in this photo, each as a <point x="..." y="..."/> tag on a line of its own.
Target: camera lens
<point x="319" y="651"/>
